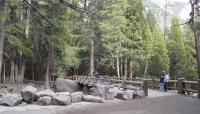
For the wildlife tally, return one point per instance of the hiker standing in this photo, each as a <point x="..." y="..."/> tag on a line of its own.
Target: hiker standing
<point x="166" y="80"/>
<point x="162" y="76"/>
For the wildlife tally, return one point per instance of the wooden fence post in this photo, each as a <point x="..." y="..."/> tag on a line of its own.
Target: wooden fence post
<point x="198" y="88"/>
<point x="145" y="87"/>
<point x="180" y="86"/>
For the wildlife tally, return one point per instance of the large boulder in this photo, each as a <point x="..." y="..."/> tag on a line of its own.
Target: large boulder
<point x="61" y="99"/>
<point x="17" y="89"/>
<point x="46" y="100"/>
<point x="63" y="93"/>
<point x="89" y="98"/>
<point x="109" y="92"/>
<point x="76" y="97"/>
<point x="138" y="94"/>
<point x="98" y="90"/>
<point x="23" y="104"/>
<point x="124" y="95"/>
<point x="28" y="93"/>
<point x="65" y="85"/>
<point x="46" y="92"/>
<point x="11" y="100"/>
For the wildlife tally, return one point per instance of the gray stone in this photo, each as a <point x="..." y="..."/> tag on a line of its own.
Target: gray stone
<point x="46" y="100"/>
<point x="85" y="90"/>
<point x="109" y="92"/>
<point x="63" y="93"/>
<point x="65" y="85"/>
<point x="11" y="100"/>
<point x="28" y="93"/>
<point x="23" y="104"/>
<point x="89" y="98"/>
<point x="138" y="94"/>
<point x="46" y="92"/>
<point x="124" y="95"/>
<point x="17" y="89"/>
<point x="61" y="100"/>
<point x="76" y="97"/>
<point x="98" y="90"/>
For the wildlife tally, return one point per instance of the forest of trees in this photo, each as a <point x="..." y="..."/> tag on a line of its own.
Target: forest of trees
<point x="43" y="38"/>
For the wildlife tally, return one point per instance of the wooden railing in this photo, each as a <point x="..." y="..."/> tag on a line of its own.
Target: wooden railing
<point x="131" y="84"/>
<point x="181" y="85"/>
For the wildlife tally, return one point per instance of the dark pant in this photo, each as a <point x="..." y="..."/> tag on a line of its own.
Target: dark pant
<point x="165" y="86"/>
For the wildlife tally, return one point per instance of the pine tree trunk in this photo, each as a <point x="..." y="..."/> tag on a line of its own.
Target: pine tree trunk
<point x="121" y="66"/>
<point x="28" y="10"/>
<point x="4" y="72"/>
<point x="22" y="71"/>
<point x="92" y="55"/>
<point x="197" y="45"/>
<point x="125" y="68"/>
<point x="12" y="71"/>
<point x="2" y="36"/>
<point x="48" y="68"/>
<point x="146" y="69"/>
<point x="165" y="23"/>
<point x="16" y="72"/>
<point x="131" y="70"/>
<point x="118" y="72"/>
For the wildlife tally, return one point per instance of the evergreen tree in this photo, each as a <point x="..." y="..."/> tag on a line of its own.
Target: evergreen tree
<point x="159" y="60"/>
<point x="176" y="49"/>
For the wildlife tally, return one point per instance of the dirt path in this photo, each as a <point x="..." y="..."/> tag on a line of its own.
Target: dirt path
<point x="156" y="103"/>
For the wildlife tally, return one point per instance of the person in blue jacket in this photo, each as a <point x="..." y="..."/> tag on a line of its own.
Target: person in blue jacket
<point x="162" y="77"/>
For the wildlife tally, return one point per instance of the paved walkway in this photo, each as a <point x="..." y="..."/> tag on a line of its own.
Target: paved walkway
<point x="155" y="103"/>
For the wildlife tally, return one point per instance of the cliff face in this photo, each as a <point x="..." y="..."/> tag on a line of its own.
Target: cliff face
<point x="179" y="8"/>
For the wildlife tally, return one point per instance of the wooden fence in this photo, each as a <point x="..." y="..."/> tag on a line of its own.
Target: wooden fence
<point x="118" y="82"/>
<point x="181" y="85"/>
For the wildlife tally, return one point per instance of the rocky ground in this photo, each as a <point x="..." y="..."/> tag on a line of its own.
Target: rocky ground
<point x="66" y="94"/>
<point x="155" y="103"/>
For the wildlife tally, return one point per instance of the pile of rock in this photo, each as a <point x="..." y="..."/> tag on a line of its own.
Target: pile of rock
<point x="65" y="92"/>
<point x="109" y="92"/>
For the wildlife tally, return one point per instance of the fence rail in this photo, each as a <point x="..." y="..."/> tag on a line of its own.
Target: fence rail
<point x="181" y="85"/>
<point x="132" y="84"/>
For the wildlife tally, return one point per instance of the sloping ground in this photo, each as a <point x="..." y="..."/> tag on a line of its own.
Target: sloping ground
<point x="155" y="103"/>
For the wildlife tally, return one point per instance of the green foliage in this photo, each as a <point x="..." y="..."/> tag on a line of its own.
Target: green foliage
<point x="176" y="49"/>
<point x="122" y="30"/>
<point x="190" y="69"/>
<point x="159" y="60"/>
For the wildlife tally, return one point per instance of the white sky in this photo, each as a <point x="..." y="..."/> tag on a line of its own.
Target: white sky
<point x="184" y="13"/>
<point x="187" y="1"/>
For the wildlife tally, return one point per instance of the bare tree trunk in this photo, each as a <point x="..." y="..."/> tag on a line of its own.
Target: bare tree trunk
<point x="92" y="55"/>
<point x="146" y="69"/>
<point x="125" y="68"/>
<point x="48" y="68"/>
<point x="47" y="76"/>
<point x="21" y="74"/>
<point x="12" y="71"/>
<point x="118" y="72"/>
<point x="121" y="66"/>
<point x="4" y="72"/>
<point x="2" y="31"/>
<point x="131" y="70"/>
<point x="165" y="22"/>
<point x="27" y="20"/>
<point x="16" y="72"/>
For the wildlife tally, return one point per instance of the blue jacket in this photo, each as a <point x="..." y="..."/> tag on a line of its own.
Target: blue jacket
<point x="162" y="77"/>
